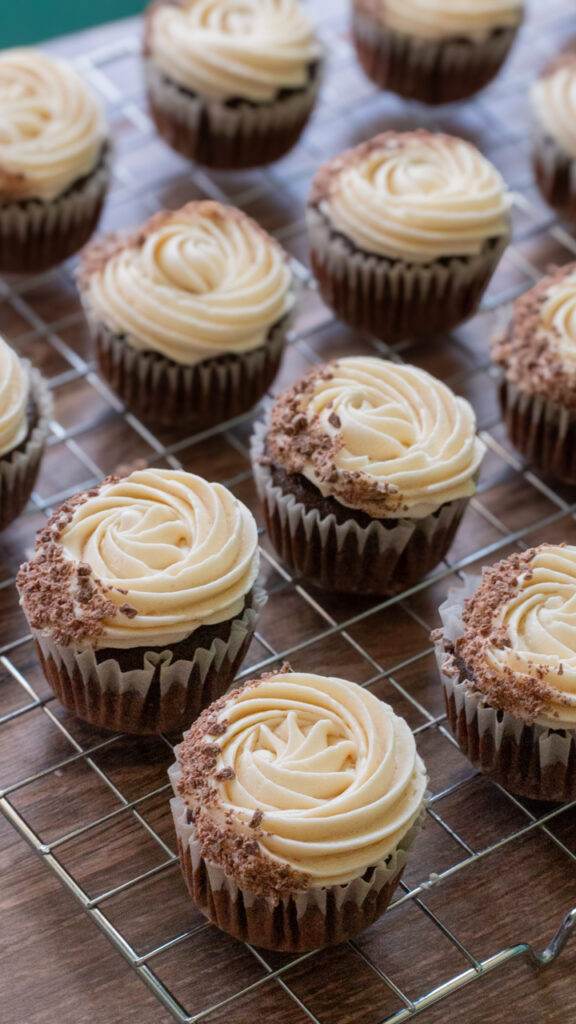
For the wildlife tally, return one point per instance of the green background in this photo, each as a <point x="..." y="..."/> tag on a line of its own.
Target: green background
<point x="30" y="21"/>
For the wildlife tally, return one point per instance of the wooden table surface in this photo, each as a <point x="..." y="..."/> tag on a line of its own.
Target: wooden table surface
<point x="96" y="925"/>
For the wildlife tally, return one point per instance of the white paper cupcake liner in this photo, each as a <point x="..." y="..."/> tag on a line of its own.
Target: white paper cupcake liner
<point x="430" y="70"/>
<point x="220" y="135"/>
<point x="165" y="695"/>
<point x="394" y="299"/>
<point x="19" y="469"/>
<point x="537" y="760"/>
<point x="208" y="392"/>
<point x="346" y="556"/>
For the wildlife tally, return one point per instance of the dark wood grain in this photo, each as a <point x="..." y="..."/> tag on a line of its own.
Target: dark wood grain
<point x="55" y="965"/>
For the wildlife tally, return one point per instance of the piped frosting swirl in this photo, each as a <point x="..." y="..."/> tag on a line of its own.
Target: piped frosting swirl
<point x="300" y="777"/>
<point x="444" y="19"/>
<point x="14" y="393"/>
<point x="227" y="49"/>
<point x="192" y="285"/>
<point x="519" y="635"/>
<point x="146" y="559"/>
<point x="553" y="100"/>
<point x="416" y="196"/>
<point x="52" y="127"/>
<point x="386" y="438"/>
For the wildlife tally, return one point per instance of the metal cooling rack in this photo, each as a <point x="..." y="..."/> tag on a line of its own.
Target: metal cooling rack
<point x="144" y="175"/>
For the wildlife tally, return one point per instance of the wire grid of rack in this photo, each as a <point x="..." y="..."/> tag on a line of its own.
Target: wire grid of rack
<point x="381" y="644"/>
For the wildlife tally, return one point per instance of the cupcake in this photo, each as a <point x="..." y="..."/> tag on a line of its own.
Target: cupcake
<point x="536" y="361"/>
<point x="553" y="101"/>
<point x="54" y="161"/>
<point x="435" y="51"/>
<point x="25" y="410"/>
<point x="189" y="314"/>
<point x="231" y="85"/>
<point x="364" y="469"/>
<point x="141" y="598"/>
<point x="507" y="657"/>
<point x="406" y="230"/>
<point x="298" y="798"/>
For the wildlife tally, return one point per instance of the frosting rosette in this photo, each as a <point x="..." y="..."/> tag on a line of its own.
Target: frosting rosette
<point x="416" y="196"/>
<point x="558" y="317"/>
<point x="227" y="49"/>
<point x="166" y="551"/>
<point x="378" y="436"/>
<point x="14" y="393"/>
<point x="52" y="127"/>
<point x="441" y="19"/>
<point x="324" y="775"/>
<point x="553" y="99"/>
<point x="192" y="285"/>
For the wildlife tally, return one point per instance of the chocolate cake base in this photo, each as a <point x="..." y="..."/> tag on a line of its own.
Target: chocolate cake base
<point x="281" y="928"/>
<point x="432" y="71"/>
<point x="555" y="172"/>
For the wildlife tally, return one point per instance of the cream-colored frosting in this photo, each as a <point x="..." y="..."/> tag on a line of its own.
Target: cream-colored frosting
<point x="540" y="624"/>
<point x="14" y="392"/>
<point x="412" y="440"/>
<point x="558" y="318"/>
<point x="441" y="19"/>
<point x="52" y="127"/>
<point x="334" y="770"/>
<point x="183" y="551"/>
<point x="205" y="280"/>
<point x="225" y="49"/>
<point x="553" y="99"/>
<point x="418" y="197"/>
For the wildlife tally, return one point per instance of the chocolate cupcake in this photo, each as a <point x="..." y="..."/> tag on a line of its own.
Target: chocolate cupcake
<point x="141" y="598"/>
<point x="25" y="410"/>
<point x="406" y="230"/>
<point x="553" y="101"/>
<point x="188" y="314"/>
<point x="507" y="657"/>
<point x="536" y="359"/>
<point x="54" y="161"/>
<point x="231" y="85"/>
<point x="437" y="51"/>
<point x="364" y="469"/>
<point x="298" y="798"/>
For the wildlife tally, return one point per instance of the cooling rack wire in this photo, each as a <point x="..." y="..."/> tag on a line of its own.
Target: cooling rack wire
<point x="114" y="797"/>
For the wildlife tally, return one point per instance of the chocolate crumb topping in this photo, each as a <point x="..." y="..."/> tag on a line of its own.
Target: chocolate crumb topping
<point x="528" y="353"/>
<point x="226" y="838"/>
<point x="523" y="695"/>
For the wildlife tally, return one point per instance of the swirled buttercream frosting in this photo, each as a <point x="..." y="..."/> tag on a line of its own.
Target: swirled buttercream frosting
<point x="299" y="779"/>
<point x="519" y="635"/>
<point x="145" y="559"/>
<point x="386" y="438"/>
<point x="444" y="19"/>
<point x="538" y="351"/>
<point x="233" y="49"/>
<point x="52" y="127"/>
<point x="14" y="392"/>
<point x="416" y="196"/>
<point x="191" y="285"/>
<point x="553" y="99"/>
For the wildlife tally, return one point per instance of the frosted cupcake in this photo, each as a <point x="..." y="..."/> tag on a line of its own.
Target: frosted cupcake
<point x="189" y="314"/>
<point x="54" y="161"/>
<point x="553" y="100"/>
<point x="406" y="230"/>
<point x="536" y="358"/>
<point x="364" y="469"/>
<point x="25" y="410"/>
<point x="298" y="798"/>
<point x="231" y="85"/>
<point x="434" y="51"/>
<point x="141" y="598"/>
<point x="507" y="655"/>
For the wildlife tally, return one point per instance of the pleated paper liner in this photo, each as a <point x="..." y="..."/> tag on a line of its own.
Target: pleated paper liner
<point x="555" y="171"/>
<point x="544" y="433"/>
<point x="19" y="469"/>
